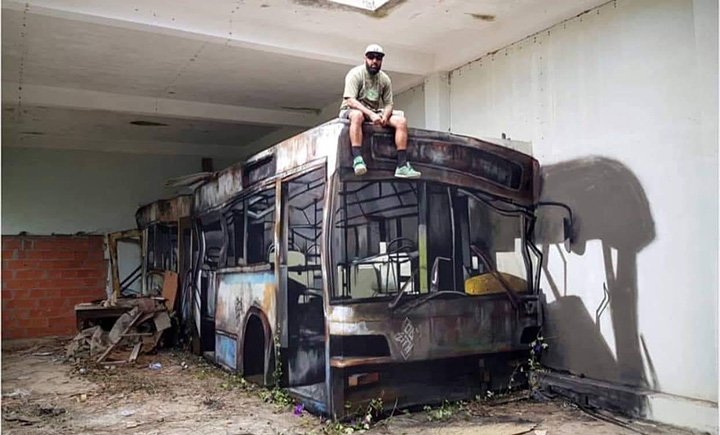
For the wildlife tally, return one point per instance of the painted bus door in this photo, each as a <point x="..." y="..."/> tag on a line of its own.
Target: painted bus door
<point x="303" y="332"/>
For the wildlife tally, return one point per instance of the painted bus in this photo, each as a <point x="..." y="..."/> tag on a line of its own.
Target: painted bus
<point x="345" y="288"/>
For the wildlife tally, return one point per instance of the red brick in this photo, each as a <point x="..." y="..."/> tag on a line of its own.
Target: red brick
<point x="46" y="244"/>
<point x="8" y="274"/>
<point x="11" y="243"/>
<point x="9" y="254"/>
<point x="28" y="244"/>
<point x="92" y="273"/>
<point x="36" y="255"/>
<point x="19" y="313"/>
<point x="60" y="264"/>
<point x="16" y="333"/>
<point x="94" y="264"/>
<point x="29" y="274"/>
<point x="45" y="293"/>
<point x="20" y="264"/>
<point x="22" y="283"/>
<point x="20" y="294"/>
<point x="22" y="303"/>
<point x="80" y="255"/>
<point x="71" y="292"/>
<point x="52" y="302"/>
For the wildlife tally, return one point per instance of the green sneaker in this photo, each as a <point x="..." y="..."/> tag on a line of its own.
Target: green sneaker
<point x="406" y="171"/>
<point x="359" y="166"/>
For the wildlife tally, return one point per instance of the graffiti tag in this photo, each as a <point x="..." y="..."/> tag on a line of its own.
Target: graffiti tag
<point x="406" y="338"/>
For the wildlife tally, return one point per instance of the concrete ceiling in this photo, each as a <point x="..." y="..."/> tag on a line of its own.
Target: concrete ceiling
<point x="224" y="76"/>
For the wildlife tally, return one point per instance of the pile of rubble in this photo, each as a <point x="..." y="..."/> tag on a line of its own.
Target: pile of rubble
<point x="138" y="330"/>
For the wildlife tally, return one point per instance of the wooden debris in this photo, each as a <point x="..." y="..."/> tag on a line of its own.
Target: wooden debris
<point x="169" y="290"/>
<point x="135" y="352"/>
<point x="127" y="329"/>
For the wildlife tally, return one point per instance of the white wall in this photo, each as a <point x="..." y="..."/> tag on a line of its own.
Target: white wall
<point x="621" y="106"/>
<point x="412" y="102"/>
<point x="48" y="191"/>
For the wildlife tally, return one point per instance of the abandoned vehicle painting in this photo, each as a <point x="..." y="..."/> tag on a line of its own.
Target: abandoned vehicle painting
<point x="347" y="288"/>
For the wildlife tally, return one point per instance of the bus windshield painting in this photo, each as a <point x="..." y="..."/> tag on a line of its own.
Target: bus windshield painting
<point x="419" y="237"/>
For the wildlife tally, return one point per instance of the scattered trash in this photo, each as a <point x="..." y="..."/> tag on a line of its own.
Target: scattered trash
<point x="43" y="353"/>
<point x="212" y="403"/>
<point x="82" y="371"/>
<point x="82" y="398"/>
<point x="299" y="409"/>
<point x="127" y="412"/>
<point x="155" y="366"/>
<point x="50" y="410"/>
<point x="16" y="393"/>
<point x="540" y="432"/>
<point x="184" y="365"/>
<point x="24" y="378"/>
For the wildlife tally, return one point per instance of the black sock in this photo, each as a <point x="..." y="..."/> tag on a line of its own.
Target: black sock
<point x="402" y="158"/>
<point x="355" y="152"/>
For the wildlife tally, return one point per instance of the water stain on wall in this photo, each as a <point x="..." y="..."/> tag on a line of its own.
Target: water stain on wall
<point x="482" y="17"/>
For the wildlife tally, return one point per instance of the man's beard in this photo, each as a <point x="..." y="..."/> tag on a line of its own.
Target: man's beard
<point x="372" y="70"/>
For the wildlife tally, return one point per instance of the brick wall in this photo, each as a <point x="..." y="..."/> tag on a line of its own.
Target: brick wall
<point x="43" y="277"/>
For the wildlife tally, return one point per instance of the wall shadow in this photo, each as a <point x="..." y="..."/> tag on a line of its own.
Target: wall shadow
<point x="609" y="205"/>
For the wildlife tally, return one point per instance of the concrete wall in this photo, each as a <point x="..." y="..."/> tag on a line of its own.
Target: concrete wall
<point x="47" y="191"/>
<point x="620" y="104"/>
<point x="412" y="102"/>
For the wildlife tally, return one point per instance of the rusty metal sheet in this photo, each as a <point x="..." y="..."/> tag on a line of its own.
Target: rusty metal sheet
<point x="434" y="152"/>
<point x="438" y="328"/>
<point x="164" y="210"/>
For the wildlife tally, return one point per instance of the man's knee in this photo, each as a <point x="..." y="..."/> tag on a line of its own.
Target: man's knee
<point x="400" y="122"/>
<point x="356" y="116"/>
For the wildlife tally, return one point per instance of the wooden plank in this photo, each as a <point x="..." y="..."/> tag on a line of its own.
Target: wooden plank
<point x="112" y="345"/>
<point x="162" y="321"/>
<point x="135" y="352"/>
<point x="169" y="290"/>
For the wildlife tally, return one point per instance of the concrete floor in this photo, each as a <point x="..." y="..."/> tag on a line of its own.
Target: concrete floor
<point x="43" y="393"/>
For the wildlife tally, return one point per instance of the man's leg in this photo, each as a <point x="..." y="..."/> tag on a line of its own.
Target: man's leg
<point x="356" y="119"/>
<point x="404" y="170"/>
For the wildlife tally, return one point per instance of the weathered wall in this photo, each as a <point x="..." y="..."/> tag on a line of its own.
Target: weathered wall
<point x="620" y="104"/>
<point x="412" y="102"/>
<point x="43" y="278"/>
<point x="46" y="191"/>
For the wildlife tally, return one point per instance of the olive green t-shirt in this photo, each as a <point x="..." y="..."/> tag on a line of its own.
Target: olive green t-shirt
<point x="374" y="91"/>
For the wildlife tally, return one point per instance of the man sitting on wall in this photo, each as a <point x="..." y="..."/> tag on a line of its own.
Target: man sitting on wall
<point x="368" y="95"/>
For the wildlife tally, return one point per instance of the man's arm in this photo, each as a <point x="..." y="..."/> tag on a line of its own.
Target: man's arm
<point x="355" y="104"/>
<point x="387" y="113"/>
<point x="388" y="100"/>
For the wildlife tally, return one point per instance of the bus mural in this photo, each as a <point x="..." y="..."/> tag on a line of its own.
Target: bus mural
<point x="413" y="291"/>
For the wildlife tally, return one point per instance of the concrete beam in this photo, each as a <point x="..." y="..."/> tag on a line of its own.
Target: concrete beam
<point x="92" y="100"/>
<point x="246" y="34"/>
<point x="21" y="140"/>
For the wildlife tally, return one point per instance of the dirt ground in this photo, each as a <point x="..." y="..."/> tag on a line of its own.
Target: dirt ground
<point x="43" y="393"/>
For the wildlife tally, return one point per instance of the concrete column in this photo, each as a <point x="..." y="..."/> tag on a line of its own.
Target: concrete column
<point x="437" y="101"/>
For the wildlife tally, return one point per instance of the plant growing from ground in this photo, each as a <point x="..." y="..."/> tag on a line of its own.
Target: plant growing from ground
<point x="444" y="411"/>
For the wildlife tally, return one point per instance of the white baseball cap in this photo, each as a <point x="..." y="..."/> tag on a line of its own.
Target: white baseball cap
<point x="374" y="48"/>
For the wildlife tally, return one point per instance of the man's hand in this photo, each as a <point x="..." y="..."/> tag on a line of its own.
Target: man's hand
<point x="385" y="118"/>
<point x="377" y="119"/>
